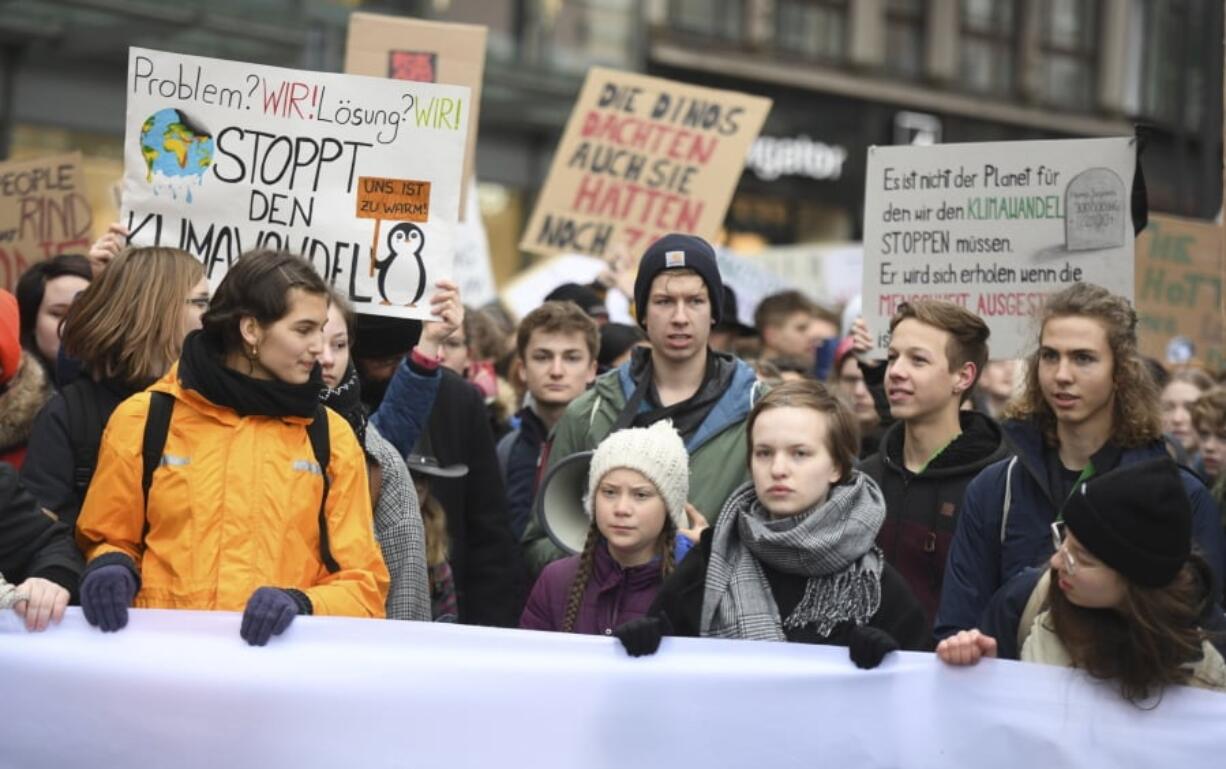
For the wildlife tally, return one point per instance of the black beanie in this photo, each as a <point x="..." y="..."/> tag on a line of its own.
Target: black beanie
<point x="674" y="252"/>
<point x="1136" y="519"/>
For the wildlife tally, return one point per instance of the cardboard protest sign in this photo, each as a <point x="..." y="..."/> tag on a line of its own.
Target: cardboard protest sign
<point x="1179" y="291"/>
<point x="425" y="52"/>
<point x="360" y="175"/>
<point x="996" y="227"/>
<point x="642" y="157"/>
<point x="43" y="212"/>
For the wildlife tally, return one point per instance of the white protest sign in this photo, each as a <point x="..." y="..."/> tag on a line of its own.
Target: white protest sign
<point x="996" y="227"/>
<point x="360" y="175"/>
<point x="472" y="270"/>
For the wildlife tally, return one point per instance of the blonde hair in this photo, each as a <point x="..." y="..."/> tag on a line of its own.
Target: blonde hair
<point x="127" y="325"/>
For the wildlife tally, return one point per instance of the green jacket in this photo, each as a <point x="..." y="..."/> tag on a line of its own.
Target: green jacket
<point x="717" y="447"/>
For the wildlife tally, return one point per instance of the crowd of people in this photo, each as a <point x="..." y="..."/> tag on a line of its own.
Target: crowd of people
<point x="262" y="449"/>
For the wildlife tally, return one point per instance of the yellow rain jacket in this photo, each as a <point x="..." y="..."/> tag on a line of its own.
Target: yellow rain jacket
<point x="234" y="506"/>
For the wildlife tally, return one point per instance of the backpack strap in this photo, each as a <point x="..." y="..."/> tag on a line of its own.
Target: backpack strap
<point x="321" y="444"/>
<point x="84" y="431"/>
<point x="1004" y="513"/>
<point x="157" y="426"/>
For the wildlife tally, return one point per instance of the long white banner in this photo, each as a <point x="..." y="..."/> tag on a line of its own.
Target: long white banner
<point x="180" y="689"/>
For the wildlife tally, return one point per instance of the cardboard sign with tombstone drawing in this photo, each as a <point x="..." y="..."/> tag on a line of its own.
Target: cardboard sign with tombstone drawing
<point x="996" y="227"/>
<point x="1179" y="292"/>
<point x="43" y="212"/>
<point x="641" y="157"/>
<point x="360" y="175"/>
<point x="426" y="52"/>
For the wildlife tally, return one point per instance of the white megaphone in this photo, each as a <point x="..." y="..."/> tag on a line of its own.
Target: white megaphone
<point x="559" y="503"/>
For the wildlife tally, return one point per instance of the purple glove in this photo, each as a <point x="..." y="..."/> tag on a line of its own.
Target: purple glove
<point x="269" y="612"/>
<point x="106" y="594"/>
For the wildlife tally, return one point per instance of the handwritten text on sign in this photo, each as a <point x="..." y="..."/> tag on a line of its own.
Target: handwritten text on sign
<point x="224" y="157"/>
<point x="995" y="227"/>
<point x="43" y="212"/>
<point x="642" y="157"/>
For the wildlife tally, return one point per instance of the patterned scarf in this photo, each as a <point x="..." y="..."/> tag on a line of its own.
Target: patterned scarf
<point x="346" y="400"/>
<point x="832" y="544"/>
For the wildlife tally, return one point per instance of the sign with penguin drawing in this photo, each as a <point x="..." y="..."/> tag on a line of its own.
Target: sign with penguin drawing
<point x="359" y="175"/>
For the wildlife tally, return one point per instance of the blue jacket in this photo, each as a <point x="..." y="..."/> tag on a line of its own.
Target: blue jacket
<point x="405" y="408"/>
<point x="993" y="544"/>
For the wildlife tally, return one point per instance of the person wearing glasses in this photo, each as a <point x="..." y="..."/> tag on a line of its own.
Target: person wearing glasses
<point x="1088" y="406"/>
<point x="122" y="330"/>
<point x="1124" y="597"/>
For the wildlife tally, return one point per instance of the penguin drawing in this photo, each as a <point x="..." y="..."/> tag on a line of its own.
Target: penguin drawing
<point x="402" y="265"/>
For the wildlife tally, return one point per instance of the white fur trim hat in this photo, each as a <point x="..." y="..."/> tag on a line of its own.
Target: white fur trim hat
<point x="658" y="453"/>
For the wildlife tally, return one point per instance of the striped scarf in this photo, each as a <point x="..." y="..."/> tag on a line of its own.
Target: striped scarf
<point x="832" y="544"/>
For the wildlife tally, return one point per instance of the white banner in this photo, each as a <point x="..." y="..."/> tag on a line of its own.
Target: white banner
<point x="361" y="175"/>
<point x="181" y="689"/>
<point x="995" y="227"/>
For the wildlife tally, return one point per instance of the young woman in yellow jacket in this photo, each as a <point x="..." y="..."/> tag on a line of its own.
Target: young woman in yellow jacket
<point x="244" y="510"/>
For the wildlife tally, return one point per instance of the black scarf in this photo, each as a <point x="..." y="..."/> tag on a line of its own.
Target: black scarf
<point x="687" y="415"/>
<point x="346" y="400"/>
<point x="201" y="369"/>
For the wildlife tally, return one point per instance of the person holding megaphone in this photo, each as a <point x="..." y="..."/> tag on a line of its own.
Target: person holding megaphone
<point x="621" y="509"/>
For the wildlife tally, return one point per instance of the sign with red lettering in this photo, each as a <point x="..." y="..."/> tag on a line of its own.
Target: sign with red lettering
<point x="425" y="52"/>
<point x="43" y="212"/>
<point x="996" y="227"/>
<point x="641" y="157"/>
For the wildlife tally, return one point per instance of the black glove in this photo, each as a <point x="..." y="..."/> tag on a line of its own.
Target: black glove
<point x="269" y="612"/>
<point x="106" y="593"/>
<point x="869" y="645"/>
<point x="642" y="636"/>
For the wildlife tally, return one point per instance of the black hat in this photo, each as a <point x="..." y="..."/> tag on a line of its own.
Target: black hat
<point x="615" y="339"/>
<point x="378" y="336"/>
<point x="1137" y="519"/>
<point x="731" y="316"/>
<point x="674" y="252"/>
<point x="583" y="296"/>
<point x="430" y="466"/>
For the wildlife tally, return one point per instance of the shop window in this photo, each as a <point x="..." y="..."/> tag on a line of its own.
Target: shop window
<point x="721" y="19"/>
<point x="816" y="29"/>
<point x="904" y="37"/>
<point x="988" y="46"/>
<point x="1069" y="43"/>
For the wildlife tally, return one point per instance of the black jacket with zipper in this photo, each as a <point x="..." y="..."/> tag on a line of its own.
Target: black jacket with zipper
<point x="922" y="509"/>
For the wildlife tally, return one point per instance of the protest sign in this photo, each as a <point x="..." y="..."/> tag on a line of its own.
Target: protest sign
<point x="996" y="227"/>
<point x="1179" y="291"/>
<point x="360" y="175"/>
<point x="527" y="290"/>
<point x="829" y="273"/>
<point x="642" y="157"/>
<point x="43" y="212"/>
<point x="425" y="52"/>
<point x="473" y="272"/>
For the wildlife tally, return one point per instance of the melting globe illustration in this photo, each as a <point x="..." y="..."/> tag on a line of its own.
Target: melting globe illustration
<point x="177" y="152"/>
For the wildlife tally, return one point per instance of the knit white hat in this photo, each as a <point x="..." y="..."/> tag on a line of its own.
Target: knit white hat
<point x="658" y="453"/>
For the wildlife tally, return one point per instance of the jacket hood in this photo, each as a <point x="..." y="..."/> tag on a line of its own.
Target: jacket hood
<point x="25" y="396"/>
<point x="732" y="407"/>
<point x="981" y="443"/>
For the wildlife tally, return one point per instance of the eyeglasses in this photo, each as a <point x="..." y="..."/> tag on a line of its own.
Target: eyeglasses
<point x="1058" y="532"/>
<point x="199" y="302"/>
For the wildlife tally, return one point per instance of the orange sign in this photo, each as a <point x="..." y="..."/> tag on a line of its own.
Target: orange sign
<point x="400" y="200"/>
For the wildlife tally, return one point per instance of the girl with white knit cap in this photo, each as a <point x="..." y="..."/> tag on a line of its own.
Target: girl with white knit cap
<point x="793" y="555"/>
<point x="637" y="486"/>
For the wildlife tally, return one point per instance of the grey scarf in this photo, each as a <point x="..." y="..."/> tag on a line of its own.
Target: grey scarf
<point x="832" y="544"/>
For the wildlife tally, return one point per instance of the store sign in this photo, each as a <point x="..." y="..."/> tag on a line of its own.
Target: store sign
<point x="771" y="157"/>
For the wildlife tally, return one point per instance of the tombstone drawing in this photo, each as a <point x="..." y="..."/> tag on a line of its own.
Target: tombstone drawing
<point x="1096" y="208"/>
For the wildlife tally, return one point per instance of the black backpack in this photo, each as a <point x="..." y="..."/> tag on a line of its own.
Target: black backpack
<point x="85" y="426"/>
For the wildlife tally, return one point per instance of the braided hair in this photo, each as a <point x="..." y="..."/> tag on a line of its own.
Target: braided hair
<point x="667" y="543"/>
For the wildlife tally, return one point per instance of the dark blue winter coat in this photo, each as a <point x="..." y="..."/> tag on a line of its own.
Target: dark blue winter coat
<point x="993" y="544"/>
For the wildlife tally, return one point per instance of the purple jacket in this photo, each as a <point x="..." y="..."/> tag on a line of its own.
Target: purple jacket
<point x="613" y="596"/>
